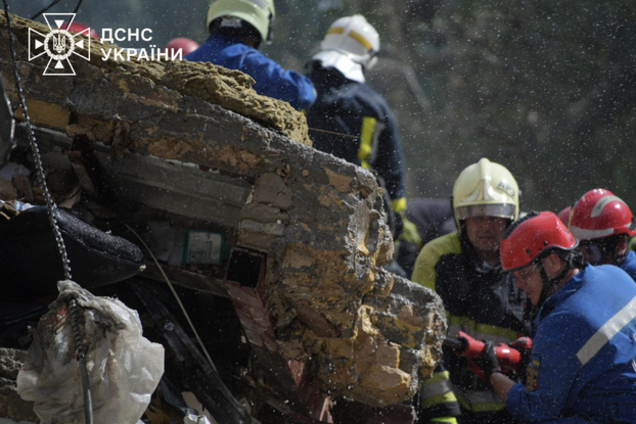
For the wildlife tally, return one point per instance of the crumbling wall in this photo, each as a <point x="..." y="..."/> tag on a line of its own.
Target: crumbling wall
<point x="366" y="333"/>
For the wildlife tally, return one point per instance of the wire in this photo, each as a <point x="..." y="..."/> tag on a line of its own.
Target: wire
<point x="176" y="296"/>
<point x="53" y="3"/>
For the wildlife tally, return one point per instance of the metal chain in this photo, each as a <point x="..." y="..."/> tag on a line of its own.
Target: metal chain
<point x="76" y="313"/>
<point x="50" y="205"/>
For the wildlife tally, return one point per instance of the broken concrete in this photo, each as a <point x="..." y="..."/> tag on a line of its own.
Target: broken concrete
<point x="366" y="333"/>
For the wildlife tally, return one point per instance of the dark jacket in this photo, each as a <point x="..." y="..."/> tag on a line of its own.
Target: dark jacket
<point x="355" y="109"/>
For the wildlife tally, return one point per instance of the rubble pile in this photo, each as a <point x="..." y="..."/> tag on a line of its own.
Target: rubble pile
<point x="365" y="332"/>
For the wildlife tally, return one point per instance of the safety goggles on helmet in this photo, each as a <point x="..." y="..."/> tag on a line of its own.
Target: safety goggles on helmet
<point x="507" y="210"/>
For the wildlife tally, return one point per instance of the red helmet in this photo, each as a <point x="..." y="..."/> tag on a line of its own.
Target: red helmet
<point x="78" y="27"/>
<point x="533" y="237"/>
<point x="564" y="215"/>
<point x="601" y="214"/>
<point x="185" y="44"/>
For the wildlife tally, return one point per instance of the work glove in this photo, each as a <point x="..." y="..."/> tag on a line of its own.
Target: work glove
<point x="524" y="345"/>
<point x="409" y="231"/>
<point x="486" y="364"/>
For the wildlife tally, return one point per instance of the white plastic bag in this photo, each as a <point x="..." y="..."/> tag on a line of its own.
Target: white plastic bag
<point x="124" y="368"/>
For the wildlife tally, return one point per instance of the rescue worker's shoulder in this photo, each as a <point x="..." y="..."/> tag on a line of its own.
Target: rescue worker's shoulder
<point x="443" y="245"/>
<point x="429" y="256"/>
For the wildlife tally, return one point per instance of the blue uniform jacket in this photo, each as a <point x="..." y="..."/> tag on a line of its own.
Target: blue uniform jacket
<point x="583" y="364"/>
<point x="272" y="80"/>
<point x="629" y="264"/>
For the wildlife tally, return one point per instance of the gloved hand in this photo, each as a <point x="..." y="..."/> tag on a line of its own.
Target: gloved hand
<point x="487" y="363"/>
<point x="524" y="346"/>
<point x="409" y="231"/>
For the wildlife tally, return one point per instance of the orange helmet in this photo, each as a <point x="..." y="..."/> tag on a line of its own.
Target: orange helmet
<point x="185" y="44"/>
<point x="599" y="213"/>
<point x="533" y="237"/>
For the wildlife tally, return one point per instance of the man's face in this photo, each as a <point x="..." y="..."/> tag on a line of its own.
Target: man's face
<point x="485" y="232"/>
<point x="529" y="280"/>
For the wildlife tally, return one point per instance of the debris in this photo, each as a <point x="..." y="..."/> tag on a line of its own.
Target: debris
<point x="124" y="367"/>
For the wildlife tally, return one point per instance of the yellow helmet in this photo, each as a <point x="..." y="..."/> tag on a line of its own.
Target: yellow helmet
<point x="485" y="189"/>
<point x="258" y="13"/>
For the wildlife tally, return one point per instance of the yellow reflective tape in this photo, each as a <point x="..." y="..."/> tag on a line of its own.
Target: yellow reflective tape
<point x="356" y="36"/>
<point x="482" y="328"/>
<point x="449" y="420"/>
<point x="399" y="205"/>
<point x="437" y="377"/>
<point x="335" y="30"/>
<point x="482" y="407"/>
<point x="436" y="400"/>
<point x="366" y="140"/>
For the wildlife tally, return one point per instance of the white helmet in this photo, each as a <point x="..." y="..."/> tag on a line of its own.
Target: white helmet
<point x="350" y="45"/>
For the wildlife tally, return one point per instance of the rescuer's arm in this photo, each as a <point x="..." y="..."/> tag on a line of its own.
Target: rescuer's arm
<point x="501" y="384"/>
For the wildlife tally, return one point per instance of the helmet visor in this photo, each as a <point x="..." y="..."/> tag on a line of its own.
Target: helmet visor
<point x="505" y="210"/>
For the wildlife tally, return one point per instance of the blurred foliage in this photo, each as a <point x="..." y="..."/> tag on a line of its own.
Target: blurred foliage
<point x="545" y="87"/>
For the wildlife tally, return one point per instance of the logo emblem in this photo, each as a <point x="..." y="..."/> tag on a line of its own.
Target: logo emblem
<point x="59" y="44"/>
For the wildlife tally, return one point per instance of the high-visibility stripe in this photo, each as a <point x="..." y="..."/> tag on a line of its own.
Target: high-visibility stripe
<point x="583" y="234"/>
<point x="399" y="205"/>
<point x="355" y="35"/>
<point x="436" y="400"/>
<point x="479" y="331"/>
<point x="600" y="205"/>
<point x="607" y="332"/>
<point x="437" y="376"/>
<point x="366" y="140"/>
<point x="447" y="420"/>
<point x="479" y="401"/>
<point x="435" y="386"/>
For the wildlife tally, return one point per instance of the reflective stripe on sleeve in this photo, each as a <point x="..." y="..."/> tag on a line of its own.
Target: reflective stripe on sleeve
<point x="366" y="140"/>
<point x="439" y="384"/>
<point x="479" y="331"/>
<point x="607" y="332"/>
<point x="479" y="401"/>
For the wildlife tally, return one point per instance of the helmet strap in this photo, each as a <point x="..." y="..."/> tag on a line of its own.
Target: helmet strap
<point x="550" y="283"/>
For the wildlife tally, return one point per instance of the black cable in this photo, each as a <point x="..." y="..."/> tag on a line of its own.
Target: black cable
<point x="77" y="7"/>
<point x="53" y="3"/>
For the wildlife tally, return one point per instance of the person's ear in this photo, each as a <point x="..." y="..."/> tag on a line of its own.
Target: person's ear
<point x="553" y="265"/>
<point x="621" y="246"/>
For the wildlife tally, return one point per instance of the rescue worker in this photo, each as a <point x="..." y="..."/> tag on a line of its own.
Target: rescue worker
<point x="583" y="361"/>
<point x="463" y="268"/>
<point x="432" y="218"/>
<point x="237" y="29"/>
<point x="603" y="224"/>
<point x="351" y="120"/>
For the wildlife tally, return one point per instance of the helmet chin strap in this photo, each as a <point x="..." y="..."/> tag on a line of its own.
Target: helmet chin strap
<point x="550" y="283"/>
